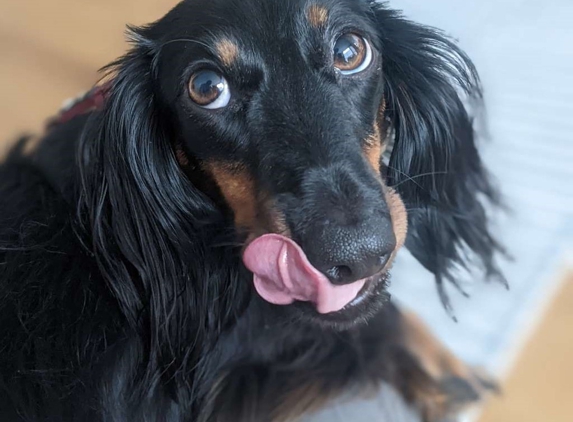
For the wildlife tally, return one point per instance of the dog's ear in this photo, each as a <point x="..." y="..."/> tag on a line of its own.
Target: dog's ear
<point x="434" y="164"/>
<point x="146" y="223"/>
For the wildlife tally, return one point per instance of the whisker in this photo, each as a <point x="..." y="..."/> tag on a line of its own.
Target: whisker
<point x="411" y="178"/>
<point x="185" y="40"/>
<point x="406" y="175"/>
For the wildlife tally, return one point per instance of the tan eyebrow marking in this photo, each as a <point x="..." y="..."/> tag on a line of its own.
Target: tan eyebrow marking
<point x="317" y="15"/>
<point x="227" y="51"/>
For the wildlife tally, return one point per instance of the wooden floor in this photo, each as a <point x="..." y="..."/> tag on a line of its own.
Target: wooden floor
<point x="51" y="49"/>
<point x="540" y="389"/>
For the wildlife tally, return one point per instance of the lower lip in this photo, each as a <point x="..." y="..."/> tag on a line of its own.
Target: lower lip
<point x="364" y="293"/>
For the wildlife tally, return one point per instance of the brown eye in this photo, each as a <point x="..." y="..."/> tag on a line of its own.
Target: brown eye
<point x="209" y="89"/>
<point x="352" y="54"/>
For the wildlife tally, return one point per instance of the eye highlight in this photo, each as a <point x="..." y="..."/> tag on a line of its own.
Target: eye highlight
<point x="209" y="89"/>
<point x="352" y="54"/>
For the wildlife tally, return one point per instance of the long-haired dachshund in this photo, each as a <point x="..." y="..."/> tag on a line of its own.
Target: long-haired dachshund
<point x="206" y="236"/>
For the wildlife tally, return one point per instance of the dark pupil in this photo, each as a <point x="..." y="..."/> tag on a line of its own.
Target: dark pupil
<point x="208" y="85"/>
<point x="345" y="51"/>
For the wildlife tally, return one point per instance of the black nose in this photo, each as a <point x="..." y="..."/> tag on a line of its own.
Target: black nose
<point x="349" y="235"/>
<point x="349" y="254"/>
<point x="352" y="270"/>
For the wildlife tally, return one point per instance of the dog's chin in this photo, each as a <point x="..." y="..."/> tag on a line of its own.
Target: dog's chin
<point x="369" y="301"/>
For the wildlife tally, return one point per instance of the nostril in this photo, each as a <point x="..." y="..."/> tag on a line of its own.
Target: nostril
<point x="339" y="274"/>
<point x="345" y="274"/>
<point x="383" y="260"/>
<point x="347" y="254"/>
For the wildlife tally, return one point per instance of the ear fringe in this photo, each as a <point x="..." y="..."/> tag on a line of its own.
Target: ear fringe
<point x="435" y="165"/>
<point x="145" y="223"/>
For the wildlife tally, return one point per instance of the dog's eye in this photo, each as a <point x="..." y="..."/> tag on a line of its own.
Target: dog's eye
<point x="352" y="54"/>
<point x="209" y="89"/>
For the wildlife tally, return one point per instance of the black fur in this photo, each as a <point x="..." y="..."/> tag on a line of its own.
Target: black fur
<point x="435" y="165"/>
<point x="122" y="293"/>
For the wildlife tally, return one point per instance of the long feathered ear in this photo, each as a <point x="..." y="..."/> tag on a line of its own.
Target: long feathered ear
<point x="435" y="165"/>
<point x="147" y="225"/>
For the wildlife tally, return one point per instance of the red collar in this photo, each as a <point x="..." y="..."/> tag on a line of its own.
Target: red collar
<point x="92" y="100"/>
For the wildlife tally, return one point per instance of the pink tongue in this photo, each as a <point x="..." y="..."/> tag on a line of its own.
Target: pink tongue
<point x="283" y="274"/>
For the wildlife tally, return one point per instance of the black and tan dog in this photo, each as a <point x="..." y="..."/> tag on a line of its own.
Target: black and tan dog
<point x="207" y="235"/>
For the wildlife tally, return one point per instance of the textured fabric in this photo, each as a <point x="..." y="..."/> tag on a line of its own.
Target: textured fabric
<point x="386" y="406"/>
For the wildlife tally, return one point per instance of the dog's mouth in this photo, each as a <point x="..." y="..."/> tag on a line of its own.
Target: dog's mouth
<point x="282" y="275"/>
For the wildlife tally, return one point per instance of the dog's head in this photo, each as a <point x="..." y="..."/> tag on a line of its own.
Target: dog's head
<point x="279" y="112"/>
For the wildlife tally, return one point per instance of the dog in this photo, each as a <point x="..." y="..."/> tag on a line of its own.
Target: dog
<point x="207" y="235"/>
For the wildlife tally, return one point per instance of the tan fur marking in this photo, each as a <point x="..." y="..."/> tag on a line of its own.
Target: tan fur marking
<point x="382" y="109"/>
<point x="227" y="51"/>
<point x="238" y="189"/>
<point x="381" y="126"/>
<point x="270" y="219"/>
<point x="374" y="145"/>
<point x="438" y="362"/>
<point x="398" y="215"/>
<point x="373" y="149"/>
<point x="423" y="345"/>
<point x="317" y="15"/>
<point x="274" y="219"/>
<point x="252" y="211"/>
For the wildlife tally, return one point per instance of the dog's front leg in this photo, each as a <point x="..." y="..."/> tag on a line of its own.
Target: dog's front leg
<point x="428" y="375"/>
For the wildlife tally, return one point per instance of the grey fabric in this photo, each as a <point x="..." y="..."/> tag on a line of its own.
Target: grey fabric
<point x="386" y="406"/>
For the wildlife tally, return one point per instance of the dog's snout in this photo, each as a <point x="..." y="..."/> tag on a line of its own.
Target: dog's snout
<point x="351" y="254"/>
<point x="351" y="236"/>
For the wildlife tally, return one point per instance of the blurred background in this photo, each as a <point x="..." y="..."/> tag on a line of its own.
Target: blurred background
<point x="50" y="50"/>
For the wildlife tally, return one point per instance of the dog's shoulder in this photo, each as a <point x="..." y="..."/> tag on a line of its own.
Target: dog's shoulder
<point x="53" y="303"/>
<point x="38" y="239"/>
